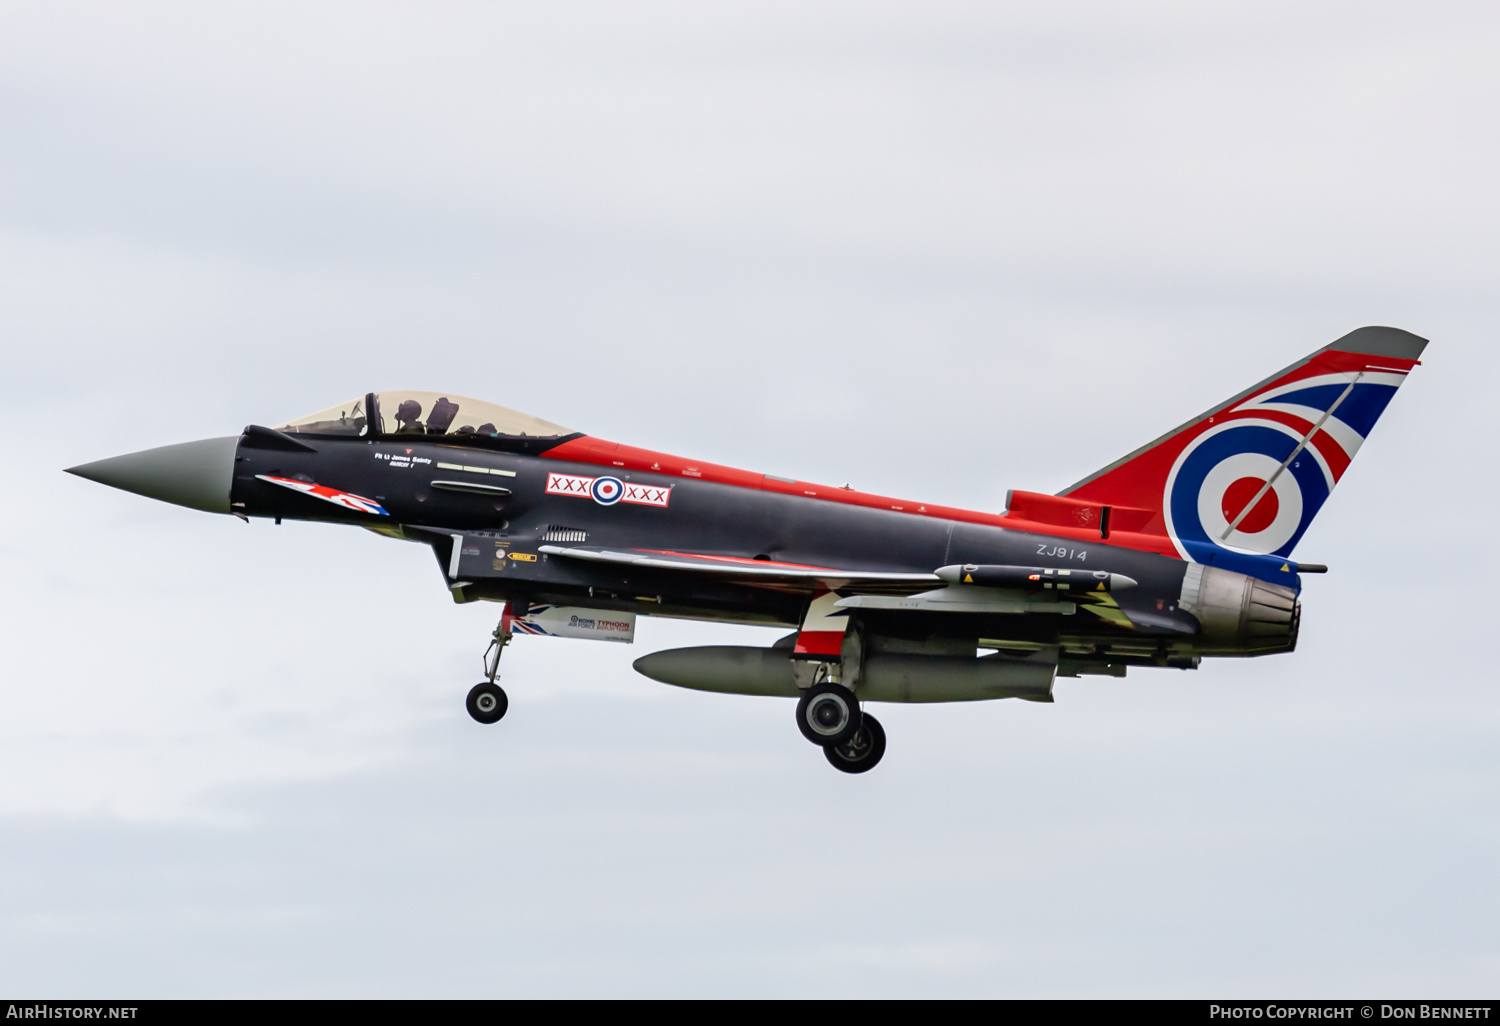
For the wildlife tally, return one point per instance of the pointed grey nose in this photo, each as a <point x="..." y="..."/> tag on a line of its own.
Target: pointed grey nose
<point x="193" y="474"/>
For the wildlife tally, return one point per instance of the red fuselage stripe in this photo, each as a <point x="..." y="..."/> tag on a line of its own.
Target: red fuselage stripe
<point x="598" y="452"/>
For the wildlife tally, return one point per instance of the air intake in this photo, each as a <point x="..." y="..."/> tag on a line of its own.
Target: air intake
<point x="555" y="533"/>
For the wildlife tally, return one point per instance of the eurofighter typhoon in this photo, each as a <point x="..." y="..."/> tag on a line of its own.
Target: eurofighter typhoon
<point x="1178" y="551"/>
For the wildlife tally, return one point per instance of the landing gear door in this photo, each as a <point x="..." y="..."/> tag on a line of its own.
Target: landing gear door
<point x="576" y="622"/>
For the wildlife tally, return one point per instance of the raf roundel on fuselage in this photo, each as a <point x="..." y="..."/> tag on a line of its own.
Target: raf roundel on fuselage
<point x="458" y="419"/>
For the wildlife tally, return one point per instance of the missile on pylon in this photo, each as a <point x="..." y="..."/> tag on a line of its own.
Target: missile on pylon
<point x="1035" y="578"/>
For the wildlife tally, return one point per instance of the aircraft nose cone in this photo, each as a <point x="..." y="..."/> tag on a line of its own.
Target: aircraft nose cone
<point x="193" y="474"/>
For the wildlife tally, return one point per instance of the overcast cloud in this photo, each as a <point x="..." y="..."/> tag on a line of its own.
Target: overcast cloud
<point x="937" y="250"/>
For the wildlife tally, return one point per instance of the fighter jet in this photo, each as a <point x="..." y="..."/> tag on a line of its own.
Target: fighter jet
<point x="1180" y="550"/>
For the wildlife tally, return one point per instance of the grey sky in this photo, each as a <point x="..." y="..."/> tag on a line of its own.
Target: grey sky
<point x="937" y="250"/>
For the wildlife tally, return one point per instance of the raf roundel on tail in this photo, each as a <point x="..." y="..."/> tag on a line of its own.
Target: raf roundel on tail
<point x="1242" y="481"/>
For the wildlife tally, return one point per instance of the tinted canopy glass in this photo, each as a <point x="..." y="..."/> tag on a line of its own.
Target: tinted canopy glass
<point x="344" y="419"/>
<point x="457" y="418"/>
<point x="434" y="413"/>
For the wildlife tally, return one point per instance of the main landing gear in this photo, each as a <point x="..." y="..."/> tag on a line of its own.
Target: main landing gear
<point x="829" y="716"/>
<point x="487" y="702"/>
<point x="863" y="749"/>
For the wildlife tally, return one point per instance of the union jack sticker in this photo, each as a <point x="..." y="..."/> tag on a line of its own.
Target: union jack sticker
<point x="348" y="500"/>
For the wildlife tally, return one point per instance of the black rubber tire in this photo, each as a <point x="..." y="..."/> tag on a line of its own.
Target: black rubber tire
<point x="862" y="751"/>
<point x="827" y="714"/>
<point x="487" y="702"/>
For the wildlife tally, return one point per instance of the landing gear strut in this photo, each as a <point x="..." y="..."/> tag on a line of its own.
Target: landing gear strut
<point x="487" y="701"/>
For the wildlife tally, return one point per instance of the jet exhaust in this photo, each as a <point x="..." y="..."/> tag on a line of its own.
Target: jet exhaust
<point x="1240" y="615"/>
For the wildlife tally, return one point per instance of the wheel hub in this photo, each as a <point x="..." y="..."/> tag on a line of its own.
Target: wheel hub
<point x="857" y="747"/>
<point x="829" y="715"/>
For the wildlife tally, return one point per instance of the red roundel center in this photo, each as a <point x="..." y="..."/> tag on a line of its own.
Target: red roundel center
<point x="1238" y="495"/>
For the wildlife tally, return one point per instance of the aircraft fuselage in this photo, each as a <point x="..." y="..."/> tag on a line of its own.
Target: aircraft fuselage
<point x="419" y="485"/>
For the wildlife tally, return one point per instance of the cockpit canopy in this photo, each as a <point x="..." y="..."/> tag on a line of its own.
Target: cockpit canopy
<point x="457" y="419"/>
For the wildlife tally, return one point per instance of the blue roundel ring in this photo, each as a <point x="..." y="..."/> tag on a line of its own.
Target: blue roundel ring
<point x="607" y="490"/>
<point x="1244" y="448"/>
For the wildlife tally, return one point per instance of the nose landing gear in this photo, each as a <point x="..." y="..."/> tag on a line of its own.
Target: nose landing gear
<point x="487" y="701"/>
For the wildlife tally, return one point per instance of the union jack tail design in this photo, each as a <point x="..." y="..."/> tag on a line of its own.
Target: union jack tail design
<point x="1238" y="485"/>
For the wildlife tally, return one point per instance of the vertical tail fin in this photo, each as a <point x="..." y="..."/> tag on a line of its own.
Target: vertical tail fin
<point x="1241" y="482"/>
